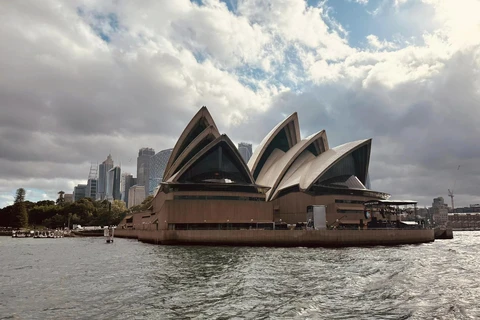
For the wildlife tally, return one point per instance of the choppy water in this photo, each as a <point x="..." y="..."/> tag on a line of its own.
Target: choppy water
<point x="84" y="278"/>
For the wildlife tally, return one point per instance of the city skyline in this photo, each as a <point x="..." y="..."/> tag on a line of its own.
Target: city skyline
<point x="117" y="76"/>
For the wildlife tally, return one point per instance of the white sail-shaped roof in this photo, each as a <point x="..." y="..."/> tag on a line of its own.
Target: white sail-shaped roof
<point x="227" y="146"/>
<point x="283" y="136"/>
<point x="200" y="141"/>
<point x="318" y="166"/>
<point x="196" y="126"/>
<point x="274" y="174"/>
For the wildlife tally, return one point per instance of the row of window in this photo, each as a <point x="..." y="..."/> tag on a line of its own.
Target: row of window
<point x="238" y="198"/>
<point x="349" y="201"/>
<point x="220" y="226"/>
<point x="350" y="211"/>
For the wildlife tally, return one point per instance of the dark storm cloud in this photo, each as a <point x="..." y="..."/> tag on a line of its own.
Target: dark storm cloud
<point x="69" y="98"/>
<point x="422" y="131"/>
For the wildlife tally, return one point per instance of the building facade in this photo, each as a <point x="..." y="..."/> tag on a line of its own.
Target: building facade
<point x="158" y="163"/>
<point x="143" y="167"/>
<point x="79" y="192"/>
<point x="207" y="184"/>
<point x="113" y="184"/>
<point x="130" y="181"/>
<point x="68" y="197"/>
<point x="103" y="169"/>
<point x="440" y="212"/>
<point x="464" y="221"/>
<point x="136" y="195"/>
<point x="245" y="150"/>
<point x="91" y="191"/>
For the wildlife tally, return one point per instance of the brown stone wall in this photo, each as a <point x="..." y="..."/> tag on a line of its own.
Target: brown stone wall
<point x="292" y="207"/>
<point x="217" y="211"/>
<point x="280" y="238"/>
<point x="168" y="210"/>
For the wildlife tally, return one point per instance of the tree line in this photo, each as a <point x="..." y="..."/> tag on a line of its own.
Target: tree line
<point x="57" y="214"/>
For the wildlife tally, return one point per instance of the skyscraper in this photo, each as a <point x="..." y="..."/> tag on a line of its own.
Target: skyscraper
<point x="158" y="163"/>
<point x="103" y="169"/>
<point x="79" y="192"/>
<point x="91" y="191"/>
<point x="143" y="167"/>
<point x="130" y="181"/>
<point x="136" y="195"/>
<point x="113" y="184"/>
<point x="122" y="184"/>
<point x="245" y="150"/>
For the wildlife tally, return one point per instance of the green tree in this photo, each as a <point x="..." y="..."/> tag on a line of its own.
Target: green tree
<point x="61" y="197"/>
<point x="20" y="215"/>
<point x="146" y="203"/>
<point x="20" y="197"/>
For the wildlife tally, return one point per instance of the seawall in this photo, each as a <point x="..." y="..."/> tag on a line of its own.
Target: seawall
<point x="281" y="238"/>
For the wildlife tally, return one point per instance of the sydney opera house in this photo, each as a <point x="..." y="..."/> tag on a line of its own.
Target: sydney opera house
<point x="208" y="186"/>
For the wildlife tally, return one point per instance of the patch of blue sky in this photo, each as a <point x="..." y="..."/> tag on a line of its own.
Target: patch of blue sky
<point x="380" y="18"/>
<point x="287" y="73"/>
<point x="34" y="195"/>
<point x="231" y="4"/>
<point x="104" y="25"/>
<point x="199" y="56"/>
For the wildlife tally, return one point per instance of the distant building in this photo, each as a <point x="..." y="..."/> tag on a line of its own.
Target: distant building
<point x="113" y="184"/>
<point x="136" y="195"/>
<point x="122" y="184"/>
<point x="103" y="169"/>
<point x="68" y="197"/>
<point x="438" y="202"/>
<point x="130" y="181"/>
<point x="158" y="163"/>
<point x="245" y="150"/>
<point x="440" y="211"/>
<point x="79" y="192"/>
<point x="143" y="167"/>
<point x="464" y="221"/>
<point x="91" y="191"/>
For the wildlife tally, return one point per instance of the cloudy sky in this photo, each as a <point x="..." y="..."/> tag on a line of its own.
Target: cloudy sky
<point x="81" y="79"/>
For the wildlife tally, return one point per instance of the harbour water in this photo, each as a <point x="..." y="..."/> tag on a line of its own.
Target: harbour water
<point x="85" y="278"/>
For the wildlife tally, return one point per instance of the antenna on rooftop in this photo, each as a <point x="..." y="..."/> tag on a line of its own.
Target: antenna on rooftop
<point x="93" y="171"/>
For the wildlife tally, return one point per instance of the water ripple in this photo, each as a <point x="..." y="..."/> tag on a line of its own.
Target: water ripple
<point x="88" y="279"/>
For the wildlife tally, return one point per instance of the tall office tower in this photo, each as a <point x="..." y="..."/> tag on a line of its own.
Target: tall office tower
<point x="158" y="163"/>
<point x="79" y="192"/>
<point x="143" y="167"/>
<point x="122" y="184"/>
<point x="92" y="182"/>
<point x="91" y="191"/>
<point x="130" y="181"/>
<point x="136" y="195"/>
<point x="245" y="150"/>
<point x="113" y="184"/>
<point x="103" y="169"/>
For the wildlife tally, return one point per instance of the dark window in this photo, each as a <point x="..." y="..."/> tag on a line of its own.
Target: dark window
<point x="219" y="164"/>
<point x="218" y="198"/>
<point x="220" y="226"/>
<point x="201" y="125"/>
<point x="354" y="164"/>
<point x="350" y="211"/>
<point x="349" y="201"/>
<point x="279" y="142"/>
<point x="202" y="144"/>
